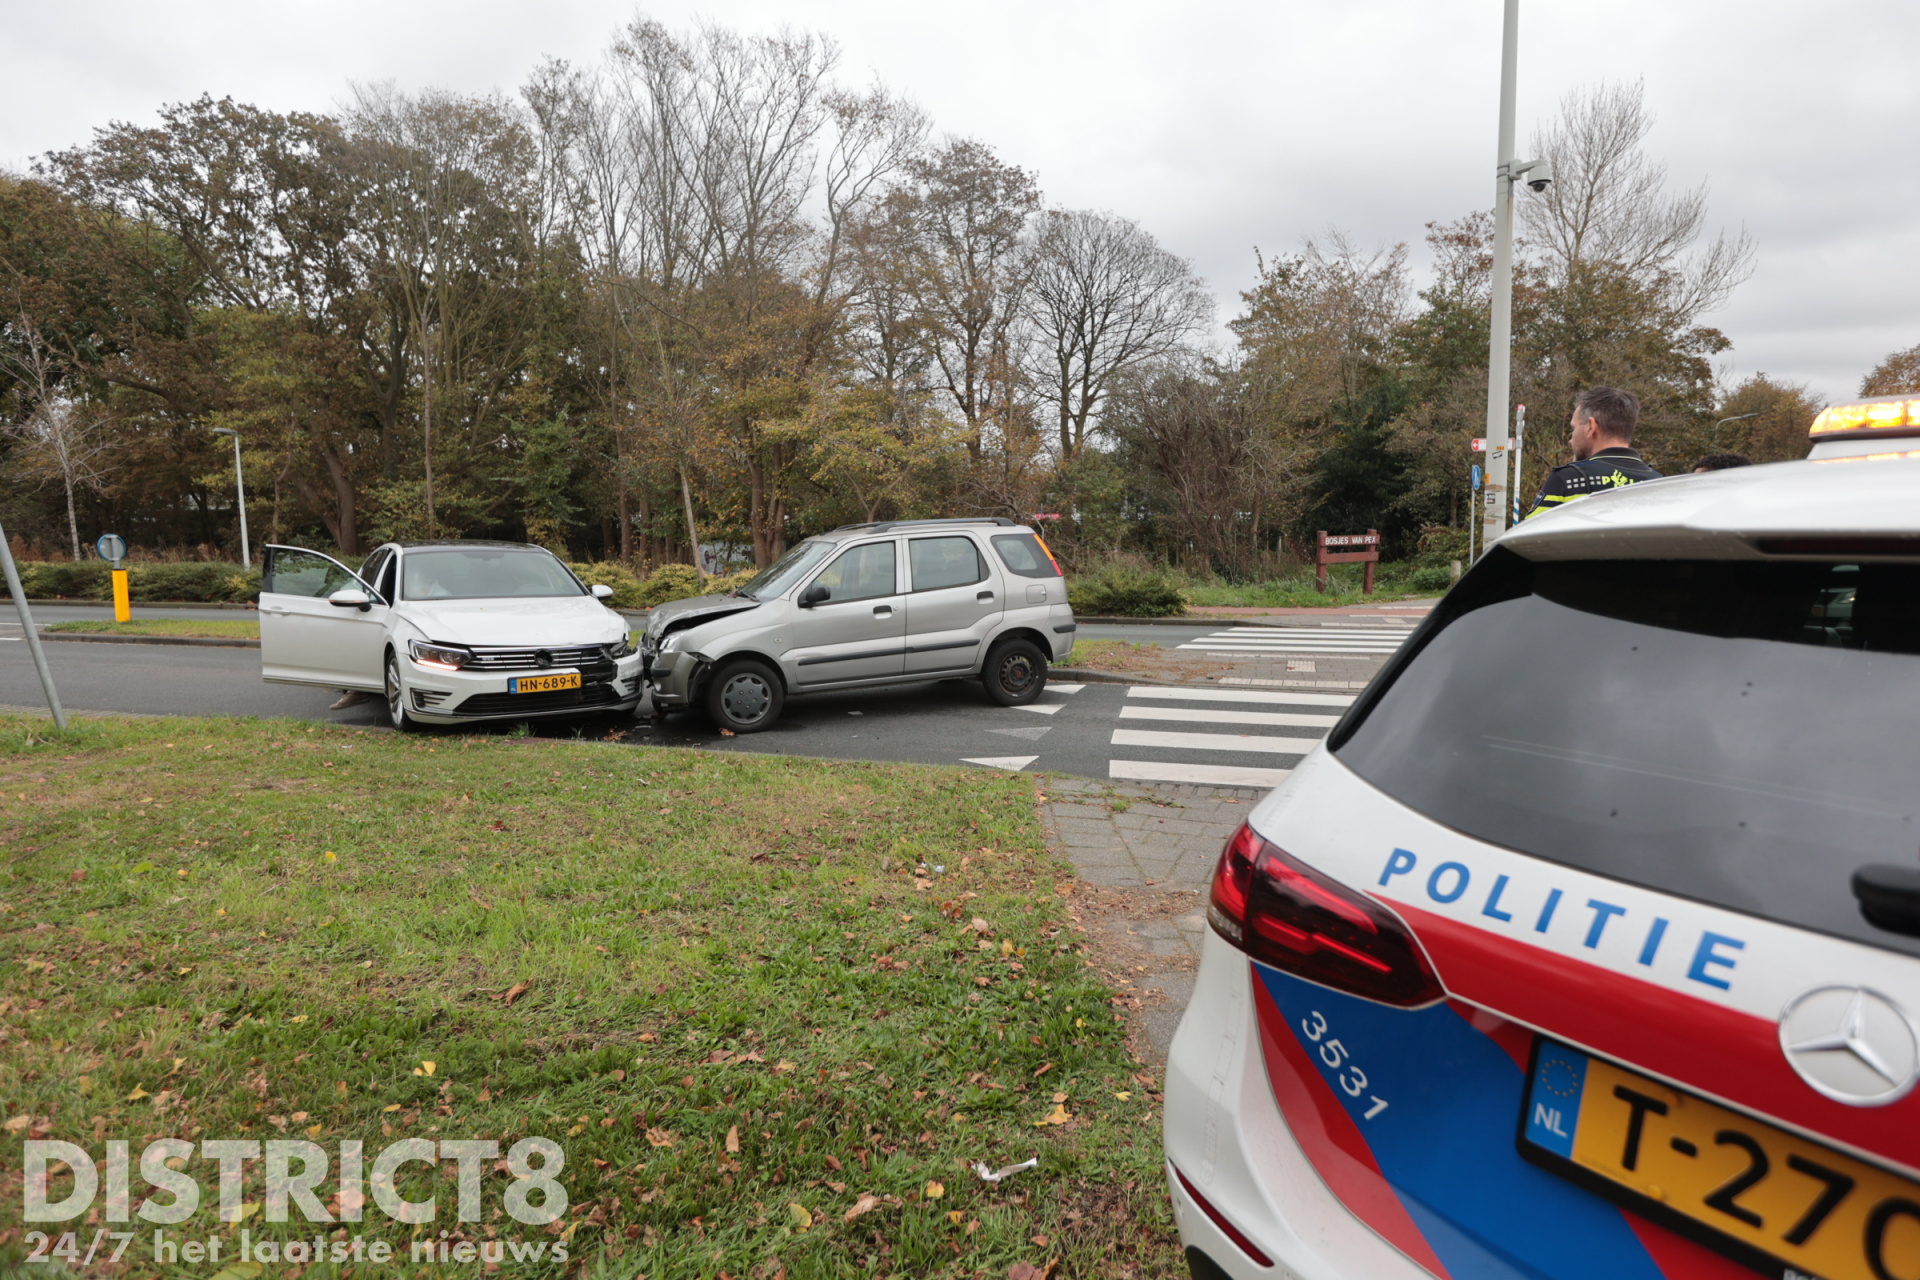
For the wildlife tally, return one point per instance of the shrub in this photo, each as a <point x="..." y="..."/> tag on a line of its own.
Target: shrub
<point x="193" y="583"/>
<point x="1122" y="590"/>
<point x="626" y="586"/>
<point x="670" y="582"/>
<point x="1431" y="578"/>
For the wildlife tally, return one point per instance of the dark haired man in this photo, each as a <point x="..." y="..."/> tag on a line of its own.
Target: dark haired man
<point x="1721" y="461"/>
<point x="1604" y="419"/>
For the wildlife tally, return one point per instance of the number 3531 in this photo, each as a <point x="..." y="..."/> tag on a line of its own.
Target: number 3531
<point x="1346" y="1072"/>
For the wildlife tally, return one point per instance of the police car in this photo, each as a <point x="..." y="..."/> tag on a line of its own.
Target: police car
<point x="1588" y="943"/>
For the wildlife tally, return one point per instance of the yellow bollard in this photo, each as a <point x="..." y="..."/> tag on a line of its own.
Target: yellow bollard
<point x="122" y="610"/>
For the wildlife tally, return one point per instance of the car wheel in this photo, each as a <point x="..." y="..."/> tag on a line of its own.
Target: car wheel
<point x="1015" y="673"/>
<point x="745" y="697"/>
<point x="397" y="697"/>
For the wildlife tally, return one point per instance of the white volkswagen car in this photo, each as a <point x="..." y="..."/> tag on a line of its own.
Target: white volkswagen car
<point x="447" y="632"/>
<point x="1588" y="943"/>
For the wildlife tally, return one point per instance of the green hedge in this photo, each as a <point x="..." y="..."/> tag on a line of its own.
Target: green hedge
<point x="205" y="583"/>
<point x="194" y="582"/>
<point x="1123" y="591"/>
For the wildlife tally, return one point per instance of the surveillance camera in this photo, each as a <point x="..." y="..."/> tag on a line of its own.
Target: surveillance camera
<point x="1539" y="174"/>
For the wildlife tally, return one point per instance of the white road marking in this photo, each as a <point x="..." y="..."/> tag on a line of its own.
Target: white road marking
<point x="1031" y="732"/>
<point x="1241" y="695"/>
<point x="1207" y="715"/>
<point x="1206" y="775"/>
<point x="1258" y="743"/>
<point x="1011" y="763"/>
<point x="1064" y="688"/>
<point x="1046" y="710"/>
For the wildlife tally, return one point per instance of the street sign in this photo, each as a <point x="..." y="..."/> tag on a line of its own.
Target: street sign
<point x="1476" y="477"/>
<point x="1366" y="551"/>
<point x="1479" y="444"/>
<point x="111" y="546"/>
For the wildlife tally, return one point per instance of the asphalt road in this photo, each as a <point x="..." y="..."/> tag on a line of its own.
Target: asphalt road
<point x="1227" y="737"/>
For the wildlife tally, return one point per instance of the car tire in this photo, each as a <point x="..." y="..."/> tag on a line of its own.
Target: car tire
<point x="745" y="696"/>
<point x="397" y="697"/>
<point x="1015" y="672"/>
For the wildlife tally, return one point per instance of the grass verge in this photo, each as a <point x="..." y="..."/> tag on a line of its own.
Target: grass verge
<point x="767" y="1042"/>
<point x="209" y="629"/>
<point x="1393" y="582"/>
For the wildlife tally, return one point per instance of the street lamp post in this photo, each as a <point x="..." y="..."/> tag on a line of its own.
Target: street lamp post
<point x="1724" y="421"/>
<point x="1495" y="509"/>
<point x="240" y="487"/>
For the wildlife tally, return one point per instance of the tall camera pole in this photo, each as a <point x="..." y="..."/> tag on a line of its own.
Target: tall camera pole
<point x="1493" y="500"/>
<point x="32" y="637"/>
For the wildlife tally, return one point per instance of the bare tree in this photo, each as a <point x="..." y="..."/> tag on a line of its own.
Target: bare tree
<point x="971" y="212"/>
<point x="1104" y="298"/>
<point x="451" y="180"/>
<point x="62" y="438"/>
<point x="1609" y="205"/>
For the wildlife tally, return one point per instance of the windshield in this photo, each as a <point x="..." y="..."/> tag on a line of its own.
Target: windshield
<point x="783" y="573"/>
<point x="484" y="573"/>
<point x="1737" y="732"/>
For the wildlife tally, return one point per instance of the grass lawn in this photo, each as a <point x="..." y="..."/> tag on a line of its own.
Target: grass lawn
<point x="210" y="628"/>
<point x="1297" y="592"/>
<point x="767" y="1045"/>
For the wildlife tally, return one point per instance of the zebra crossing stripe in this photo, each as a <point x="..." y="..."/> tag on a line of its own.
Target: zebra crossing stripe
<point x="1237" y="742"/>
<point x="1205" y="775"/>
<point x="1210" y="715"/>
<point x="1241" y="695"/>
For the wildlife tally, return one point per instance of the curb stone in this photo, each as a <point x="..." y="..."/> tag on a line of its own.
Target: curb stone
<point x="82" y="637"/>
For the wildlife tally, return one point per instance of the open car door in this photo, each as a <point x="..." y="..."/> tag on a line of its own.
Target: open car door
<point x="319" y="623"/>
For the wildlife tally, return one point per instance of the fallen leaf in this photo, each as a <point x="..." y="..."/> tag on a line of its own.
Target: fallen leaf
<point x="137" y="1094"/>
<point x="935" y="1190"/>
<point x="833" y="1163"/>
<point x="1006" y="947"/>
<point x="1123" y="1095"/>
<point x="315" y="1130"/>
<point x="391" y="1106"/>
<point x="328" y="856"/>
<point x="867" y="1203"/>
<point x="661" y="1138"/>
<point x="733" y="1140"/>
<point x="726" y="733"/>
<point x="801" y="1218"/>
<point x="239" y="1271"/>
<point x="783" y="1065"/>
<point x="18" y="1123"/>
<point x="514" y="992"/>
<point x="1057" y="1116"/>
<point x="957" y="1216"/>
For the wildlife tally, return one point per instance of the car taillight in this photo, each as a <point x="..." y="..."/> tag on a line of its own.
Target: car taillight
<point x="1284" y="913"/>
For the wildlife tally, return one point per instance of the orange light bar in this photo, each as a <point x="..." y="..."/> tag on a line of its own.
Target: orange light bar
<point x="1868" y="417"/>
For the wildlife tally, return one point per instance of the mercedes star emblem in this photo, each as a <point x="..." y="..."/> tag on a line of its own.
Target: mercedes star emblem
<point x="1852" y="1044"/>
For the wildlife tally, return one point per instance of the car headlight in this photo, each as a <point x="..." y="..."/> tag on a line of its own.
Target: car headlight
<point x="621" y="648"/>
<point x="438" y="655"/>
<point x="669" y="643"/>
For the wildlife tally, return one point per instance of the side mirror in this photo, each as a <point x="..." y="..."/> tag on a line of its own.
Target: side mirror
<point x="351" y="598"/>
<point x="813" y="595"/>
<point x="601" y="591"/>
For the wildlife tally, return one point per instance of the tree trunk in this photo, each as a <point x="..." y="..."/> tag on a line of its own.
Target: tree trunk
<point x="693" y="534"/>
<point x="342" y="525"/>
<point x="426" y="424"/>
<point x="73" y="523"/>
<point x="620" y="492"/>
<point x="757" y="508"/>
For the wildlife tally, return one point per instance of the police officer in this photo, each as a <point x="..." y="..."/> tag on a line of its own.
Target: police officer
<point x="1604" y="458"/>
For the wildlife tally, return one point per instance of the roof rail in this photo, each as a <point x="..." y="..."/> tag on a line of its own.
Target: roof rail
<point x="881" y="526"/>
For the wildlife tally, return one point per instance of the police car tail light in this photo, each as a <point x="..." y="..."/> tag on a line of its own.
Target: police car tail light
<point x="1284" y="913"/>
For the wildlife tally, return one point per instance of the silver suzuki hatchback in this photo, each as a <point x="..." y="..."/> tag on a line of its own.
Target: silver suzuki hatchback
<point x="864" y="606"/>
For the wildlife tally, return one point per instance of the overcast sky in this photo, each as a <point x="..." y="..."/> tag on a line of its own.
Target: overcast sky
<point x="1220" y="126"/>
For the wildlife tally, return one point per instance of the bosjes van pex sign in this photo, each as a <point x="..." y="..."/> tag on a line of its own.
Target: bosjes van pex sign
<point x="64" y="1183"/>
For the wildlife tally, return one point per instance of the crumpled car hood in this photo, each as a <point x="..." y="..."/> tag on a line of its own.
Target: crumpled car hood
<point x="543" y="621"/>
<point x="675" y="615"/>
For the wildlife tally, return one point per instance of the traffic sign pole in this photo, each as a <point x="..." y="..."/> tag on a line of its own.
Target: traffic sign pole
<point x="112" y="547"/>
<point x="32" y="637"/>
